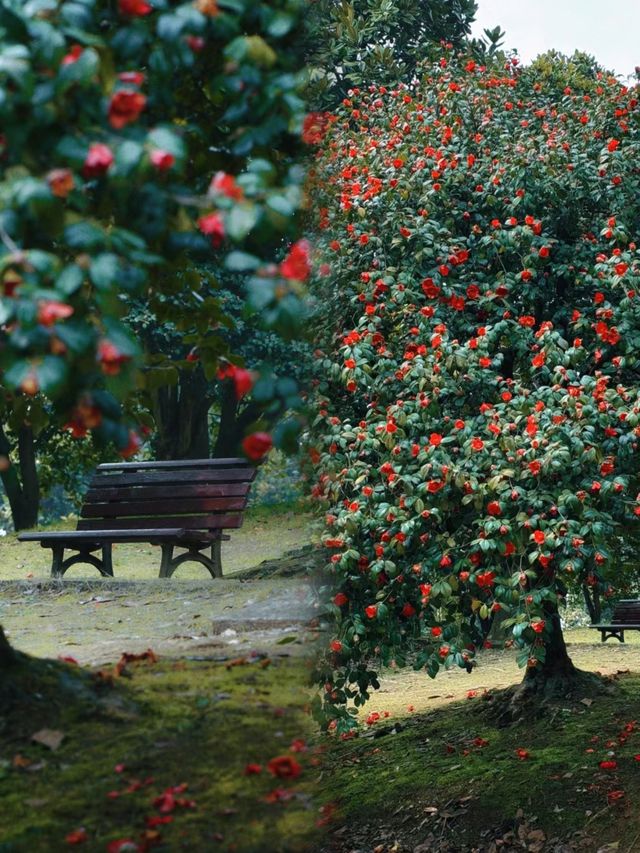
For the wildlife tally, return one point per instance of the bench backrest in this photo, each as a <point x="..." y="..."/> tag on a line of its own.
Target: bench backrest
<point x="626" y="612"/>
<point x="195" y="494"/>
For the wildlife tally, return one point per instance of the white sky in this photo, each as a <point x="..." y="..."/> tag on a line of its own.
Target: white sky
<point x="607" y="29"/>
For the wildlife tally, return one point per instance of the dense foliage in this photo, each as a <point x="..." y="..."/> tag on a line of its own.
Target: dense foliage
<point x="138" y="140"/>
<point x="479" y="376"/>
<point x="353" y="42"/>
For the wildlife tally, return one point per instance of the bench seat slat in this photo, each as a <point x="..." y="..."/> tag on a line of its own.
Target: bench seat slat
<point x="125" y="508"/>
<point x="144" y="535"/>
<point x="143" y="478"/>
<point x="186" y="522"/>
<point x="180" y="463"/>
<point x="102" y="494"/>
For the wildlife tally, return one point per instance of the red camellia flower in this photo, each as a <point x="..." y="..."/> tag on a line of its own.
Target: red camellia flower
<point x="110" y="357"/>
<point x="123" y="845"/>
<point x="296" y="265"/>
<point x="98" y="160"/>
<point x="134" y="8"/>
<point x="257" y="445"/>
<point x="284" y="767"/>
<point x="212" y="226"/>
<point x="162" y="160"/>
<point x="436" y="631"/>
<point x="224" y="184"/>
<point x="242" y="379"/>
<point x="494" y="508"/>
<point x="134" y="445"/>
<point x="60" y="182"/>
<point x="408" y="610"/>
<point x="335" y="646"/>
<point x="50" y="312"/>
<point x="435" y="439"/>
<point x="371" y="611"/>
<point x="340" y="599"/>
<point x="539" y="537"/>
<point x="314" y="128"/>
<point x="78" y="836"/>
<point x="125" y="107"/>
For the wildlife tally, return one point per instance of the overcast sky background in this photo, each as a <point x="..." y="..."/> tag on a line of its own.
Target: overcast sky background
<point x="607" y="29"/>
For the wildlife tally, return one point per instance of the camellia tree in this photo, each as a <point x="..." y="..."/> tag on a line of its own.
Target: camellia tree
<point x="139" y="141"/>
<point x="478" y="390"/>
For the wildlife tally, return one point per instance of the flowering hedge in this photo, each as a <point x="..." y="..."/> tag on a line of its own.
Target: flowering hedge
<point x="138" y="137"/>
<point x="479" y="360"/>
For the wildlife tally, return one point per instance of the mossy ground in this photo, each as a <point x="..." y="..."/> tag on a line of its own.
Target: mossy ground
<point x="446" y="776"/>
<point x="194" y="722"/>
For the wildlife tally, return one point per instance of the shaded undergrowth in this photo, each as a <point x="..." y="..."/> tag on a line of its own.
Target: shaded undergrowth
<point x="159" y="757"/>
<point x="452" y="779"/>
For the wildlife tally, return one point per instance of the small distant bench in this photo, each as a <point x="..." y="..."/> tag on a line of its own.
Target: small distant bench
<point x="186" y="505"/>
<point x="626" y="617"/>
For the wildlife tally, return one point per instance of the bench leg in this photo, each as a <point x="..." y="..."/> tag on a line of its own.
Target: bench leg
<point x="169" y="563"/>
<point x="59" y="565"/>
<point x="107" y="559"/>
<point x="166" y="568"/>
<point x="57" y="552"/>
<point x="216" y="558"/>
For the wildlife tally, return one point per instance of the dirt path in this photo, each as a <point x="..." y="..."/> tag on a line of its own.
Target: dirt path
<point x="264" y="608"/>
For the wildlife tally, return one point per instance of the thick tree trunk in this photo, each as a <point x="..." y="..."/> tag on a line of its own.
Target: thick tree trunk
<point x="22" y="488"/>
<point x="556" y="673"/>
<point x="234" y="422"/>
<point x="181" y="413"/>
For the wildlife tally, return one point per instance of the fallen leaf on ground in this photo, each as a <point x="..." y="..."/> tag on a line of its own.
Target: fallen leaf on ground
<point x="49" y="738"/>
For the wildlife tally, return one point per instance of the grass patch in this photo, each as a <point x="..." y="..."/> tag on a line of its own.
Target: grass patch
<point x="169" y="723"/>
<point x="451" y="776"/>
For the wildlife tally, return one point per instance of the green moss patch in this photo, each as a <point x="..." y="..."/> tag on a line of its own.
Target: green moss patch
<point x="171" y="740"/>
<point x="452" y="780"/>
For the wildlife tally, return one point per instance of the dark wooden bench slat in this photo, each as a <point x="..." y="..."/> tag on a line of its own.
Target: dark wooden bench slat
<point x="143" y="478"/>
<point x="187" y="522"/>
<point x="125" y="508"/>
<point x="134" y="535"/>
<point x="187" y="490"/>
<point x="181" y="463"/>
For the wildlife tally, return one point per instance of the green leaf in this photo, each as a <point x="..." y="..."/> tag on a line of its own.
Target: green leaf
<point x="241" y="262"/>
<point x="241" y="220"/>
<point x="70" y="279"/>
<point x="104" y="270"/>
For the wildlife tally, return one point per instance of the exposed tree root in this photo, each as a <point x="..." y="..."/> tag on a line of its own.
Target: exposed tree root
<point x="543" y="694"/>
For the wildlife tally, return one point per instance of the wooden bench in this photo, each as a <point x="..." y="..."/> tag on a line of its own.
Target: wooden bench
<point x="186" y="505"/>
<point x="626" y="617"/>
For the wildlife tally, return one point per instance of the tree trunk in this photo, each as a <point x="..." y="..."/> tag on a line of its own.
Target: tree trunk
<point x="22" y="488"/>
<point x="592" y="600"/>
<point x="557" y="673"/>
<point x="181" y="413"/>
<point x="234" y="422"/>
<point x="7" y="655"/>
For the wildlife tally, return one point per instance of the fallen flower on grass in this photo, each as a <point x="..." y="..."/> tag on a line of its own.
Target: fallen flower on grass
<point x="284" y="767"/>
<point x="523" y="754"/>
<point x="123" y="845"/>
<point x="608" y="765"/>
<point x="614" y="796"/>
<point x="252" y="769"/>
<point x="279" y="795"/>
<point x="78" y="836"/>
